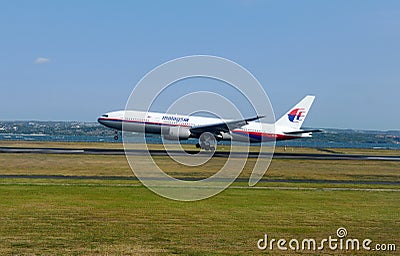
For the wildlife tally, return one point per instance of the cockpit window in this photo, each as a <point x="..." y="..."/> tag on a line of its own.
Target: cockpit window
<point x="105" y="115"/>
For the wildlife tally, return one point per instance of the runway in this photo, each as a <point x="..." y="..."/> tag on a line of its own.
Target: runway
<point x="100" y="151"/>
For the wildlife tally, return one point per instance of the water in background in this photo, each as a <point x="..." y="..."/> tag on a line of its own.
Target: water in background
<point x="93" y="132"/>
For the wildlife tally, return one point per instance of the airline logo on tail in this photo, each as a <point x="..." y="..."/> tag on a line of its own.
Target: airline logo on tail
<point x="296" y="115"/>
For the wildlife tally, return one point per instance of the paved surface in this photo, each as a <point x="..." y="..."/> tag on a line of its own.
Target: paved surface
<point x="99" y="151"/>
<point x="75" y="177"/>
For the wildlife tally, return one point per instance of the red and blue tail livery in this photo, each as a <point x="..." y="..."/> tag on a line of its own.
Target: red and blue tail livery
<point x="296" y="115"/>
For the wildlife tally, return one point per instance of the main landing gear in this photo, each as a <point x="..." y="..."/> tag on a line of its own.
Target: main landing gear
<point x="207" y="141"/>
<point x="116" y="135"/>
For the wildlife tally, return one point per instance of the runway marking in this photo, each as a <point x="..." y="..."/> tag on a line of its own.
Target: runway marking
<point x="324" y="189"/>
<point x="231" y="187"/>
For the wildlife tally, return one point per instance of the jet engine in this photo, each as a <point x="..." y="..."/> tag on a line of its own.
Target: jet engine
<point x="176" y="133"/>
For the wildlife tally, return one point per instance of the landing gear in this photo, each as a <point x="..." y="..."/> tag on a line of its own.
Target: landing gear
<point x="116" y="135"/>
<point x="207" y="141"/>
<point x="205" y="146"/>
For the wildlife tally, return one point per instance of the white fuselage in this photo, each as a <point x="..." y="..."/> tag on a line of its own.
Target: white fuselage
<point x="165" y="124"/>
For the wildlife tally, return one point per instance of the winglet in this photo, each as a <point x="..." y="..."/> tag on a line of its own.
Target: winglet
<point x="253" y="118"/>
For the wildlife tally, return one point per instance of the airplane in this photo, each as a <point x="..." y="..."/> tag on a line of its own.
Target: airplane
<point x="208" y="129"/>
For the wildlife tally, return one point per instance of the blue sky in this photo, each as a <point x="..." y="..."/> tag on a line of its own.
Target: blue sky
<point x="347" y="53"/>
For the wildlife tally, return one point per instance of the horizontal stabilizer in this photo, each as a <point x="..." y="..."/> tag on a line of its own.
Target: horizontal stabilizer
<point x="303" y="131"/>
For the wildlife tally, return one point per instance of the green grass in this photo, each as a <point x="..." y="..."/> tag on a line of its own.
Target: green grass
<point x="121" y="217"/>
<point x="54" y="219"/>
<point x="114" y="165"/>
<point x="119" y="145"/>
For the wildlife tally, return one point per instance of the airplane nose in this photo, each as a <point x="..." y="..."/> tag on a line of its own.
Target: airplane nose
<point x="102" y="119"/>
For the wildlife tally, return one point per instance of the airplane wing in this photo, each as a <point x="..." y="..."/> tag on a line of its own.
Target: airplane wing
<point x="223" y="126"/>
<point x="303" y="131"/>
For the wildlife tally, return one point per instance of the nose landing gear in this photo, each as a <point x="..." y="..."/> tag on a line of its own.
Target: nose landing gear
<point x="116" y="135"/>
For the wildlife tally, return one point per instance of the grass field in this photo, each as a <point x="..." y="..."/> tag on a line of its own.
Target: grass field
<point x="121" y="217"/>
<point x="39" y="144"/>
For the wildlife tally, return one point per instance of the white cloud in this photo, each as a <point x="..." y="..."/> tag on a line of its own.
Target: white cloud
<point x="41" y="60"/>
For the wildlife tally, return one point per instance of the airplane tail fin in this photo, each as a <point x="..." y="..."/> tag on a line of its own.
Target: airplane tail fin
<point x="294" y="118"/>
